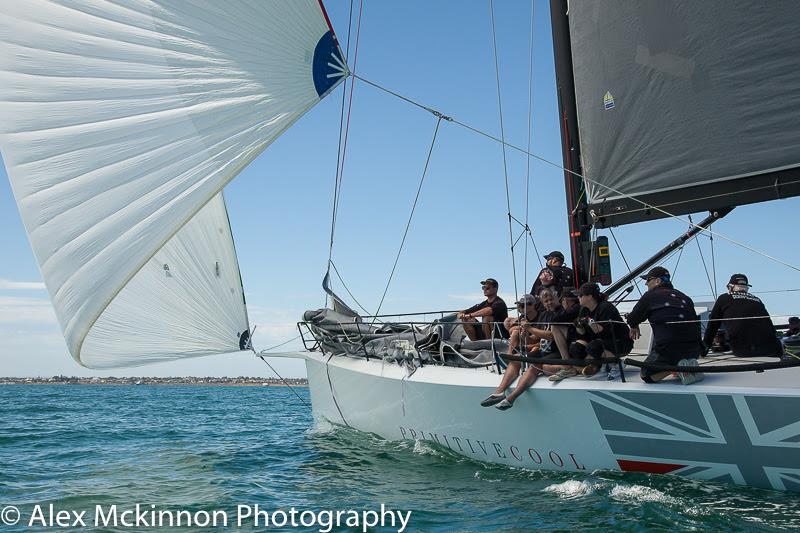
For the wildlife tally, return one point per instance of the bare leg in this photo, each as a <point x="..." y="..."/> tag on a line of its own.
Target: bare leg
<point x="470" y="328"/>
<point x="487" y="325"/>
<point x="560" y="338"/>
<point x="512" y="371"/>
<point x="527" y="379"/>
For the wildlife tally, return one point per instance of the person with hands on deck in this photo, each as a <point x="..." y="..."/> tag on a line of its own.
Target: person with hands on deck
<point x="675" y="325"/>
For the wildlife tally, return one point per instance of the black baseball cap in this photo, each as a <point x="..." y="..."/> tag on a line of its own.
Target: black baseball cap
<point x="570" y="293"/>
<point x="490" y="281"/>
<point x="556" y="254"/>
<point x="527" y="299"/>
<point x="794" y="320"/>
<point x="739" y="279"/>
<point x="656" y="272"/>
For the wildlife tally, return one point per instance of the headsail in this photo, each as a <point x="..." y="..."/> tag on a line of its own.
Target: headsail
<point x="119" y="123"/>
<point x="685" y="105"/>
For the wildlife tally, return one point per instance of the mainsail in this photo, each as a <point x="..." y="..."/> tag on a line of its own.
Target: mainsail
<point x="685" y="105"/>
<point x="120" y="123"/>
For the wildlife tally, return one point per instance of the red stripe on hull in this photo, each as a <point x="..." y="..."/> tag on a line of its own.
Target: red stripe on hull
<point x="651" y="468"/>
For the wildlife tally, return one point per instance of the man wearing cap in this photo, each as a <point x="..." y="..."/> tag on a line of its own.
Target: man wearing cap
<point x="563" y="276"/>
<point x="747" y="323"/>
<point x="794" y="327"/>
<point x="676" y="328"/>
<point x="492" y="311"/>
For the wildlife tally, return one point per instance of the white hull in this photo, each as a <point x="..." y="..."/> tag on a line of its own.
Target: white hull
<point x="737" y="428"/>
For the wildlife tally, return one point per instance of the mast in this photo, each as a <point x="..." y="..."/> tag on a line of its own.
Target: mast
<point x="580" y="225"/>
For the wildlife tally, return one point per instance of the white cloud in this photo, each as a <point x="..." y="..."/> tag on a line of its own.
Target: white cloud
<point x="8" y="285"/>
<point x="23" y="310"/>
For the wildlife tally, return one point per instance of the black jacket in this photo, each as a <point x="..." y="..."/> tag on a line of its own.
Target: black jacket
<point x="750" y="337"/>
<point x="676" y="328"/>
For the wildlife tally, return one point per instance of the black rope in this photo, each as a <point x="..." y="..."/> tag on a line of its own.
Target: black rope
<point x="716" y="369"/>
<point x="411" y="215"/>
<point x="503" y="137"/>
<point x="284" y="381"/>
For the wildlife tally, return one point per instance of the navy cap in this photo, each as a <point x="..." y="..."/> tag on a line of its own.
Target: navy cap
<point x="739" y="279"/>
<point x="490" y="281"/>
<point x="556" y="254"/>
<point x="656" y="272"/>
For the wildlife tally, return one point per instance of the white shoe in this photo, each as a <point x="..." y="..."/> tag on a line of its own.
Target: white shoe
<point x="687" y="378"/>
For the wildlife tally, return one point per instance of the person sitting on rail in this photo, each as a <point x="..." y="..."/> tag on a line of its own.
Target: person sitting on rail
<point x="522" y="341"/>
<point x="563" y="322"/>
<point x="676" y="328"/>
<point x="794" y="327"/>
<point x="601" y="333"/>
<point x="750" y="330"/>
<point x="791" y="338"/>
<point x="492" y="312"/>
<point x="563" y="276"/>
<point x="546" y="280"/>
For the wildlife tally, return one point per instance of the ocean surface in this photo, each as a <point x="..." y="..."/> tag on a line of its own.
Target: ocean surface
<point x="214" y="448"/>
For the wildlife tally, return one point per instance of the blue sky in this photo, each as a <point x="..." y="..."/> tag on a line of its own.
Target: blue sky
<point x="280" y="205"/>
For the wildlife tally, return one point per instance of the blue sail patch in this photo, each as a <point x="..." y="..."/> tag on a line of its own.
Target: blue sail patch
<point x="329" y="66"/>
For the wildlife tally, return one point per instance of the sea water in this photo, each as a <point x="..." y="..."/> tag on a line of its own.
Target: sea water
<point x="206" y="449"/>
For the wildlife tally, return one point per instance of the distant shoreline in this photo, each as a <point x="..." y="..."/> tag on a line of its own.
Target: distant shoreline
<point x="240" y="381"/>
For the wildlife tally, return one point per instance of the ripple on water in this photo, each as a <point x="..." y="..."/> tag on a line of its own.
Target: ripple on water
<point x="215" y="447"/>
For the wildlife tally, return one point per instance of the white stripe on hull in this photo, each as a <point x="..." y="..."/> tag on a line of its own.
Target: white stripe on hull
<point x="743" y="429"/>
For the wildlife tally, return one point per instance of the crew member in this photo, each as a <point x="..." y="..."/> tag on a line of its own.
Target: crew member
<point x="491" y="312"/>
<point x="564" y="277"/>
<point x="747" y="323"/>
<point x="676" y="328"/>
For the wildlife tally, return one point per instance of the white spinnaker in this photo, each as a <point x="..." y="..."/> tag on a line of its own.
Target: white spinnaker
<point x="186" y="301"/>
<point x="120" y="120"/>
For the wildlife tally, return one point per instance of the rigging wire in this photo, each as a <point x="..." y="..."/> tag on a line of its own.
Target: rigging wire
<point x="703" y="259"/>
<point x="622" y="254"/>
<point x="528" y="157"/>
<point x="678" y="262"/>
<point x="559" y="166"/>
<point x="503" y="136"/>
<point x="341" y="280"/>
<point x="713" y="266"/>
<point x="337" y="183"/>
<point x="411" y="215"/>
<point x="302" y="400"/>
<point x="342" y="153"/>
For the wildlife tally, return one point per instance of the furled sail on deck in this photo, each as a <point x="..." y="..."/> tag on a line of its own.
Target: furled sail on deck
<point x="120" y="123"/>
<point x="687" y="105"/>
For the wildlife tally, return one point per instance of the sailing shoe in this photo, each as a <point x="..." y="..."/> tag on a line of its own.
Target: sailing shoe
<point x="493" y="399"/>
<point x="505" y="404"/>
<point x="613" y="373"/>
<point x="563" y="374"/>
<point x="687" y="378"/>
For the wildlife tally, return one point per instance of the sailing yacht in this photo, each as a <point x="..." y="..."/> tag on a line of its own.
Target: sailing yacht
<point x="121" y="123"/>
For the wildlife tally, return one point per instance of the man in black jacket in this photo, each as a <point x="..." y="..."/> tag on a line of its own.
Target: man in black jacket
<point x="750" y="331"/>
<point x="676" y="328"/>
<point x="563" y="277"/>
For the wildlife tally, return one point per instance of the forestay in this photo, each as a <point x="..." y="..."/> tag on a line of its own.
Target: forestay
<point x="685" y="105"/>
<point x="120" y="123"/>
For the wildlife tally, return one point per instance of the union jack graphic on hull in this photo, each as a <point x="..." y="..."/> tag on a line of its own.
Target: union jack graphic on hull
<point x="752" y="440"/>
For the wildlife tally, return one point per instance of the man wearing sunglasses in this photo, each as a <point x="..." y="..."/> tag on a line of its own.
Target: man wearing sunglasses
<point x="491" y="312"/>
<point x="676" y="328"/>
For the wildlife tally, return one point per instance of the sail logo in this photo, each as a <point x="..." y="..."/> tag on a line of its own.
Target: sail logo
<point x="753" y="440"/>
<point x="608" y="101"/>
